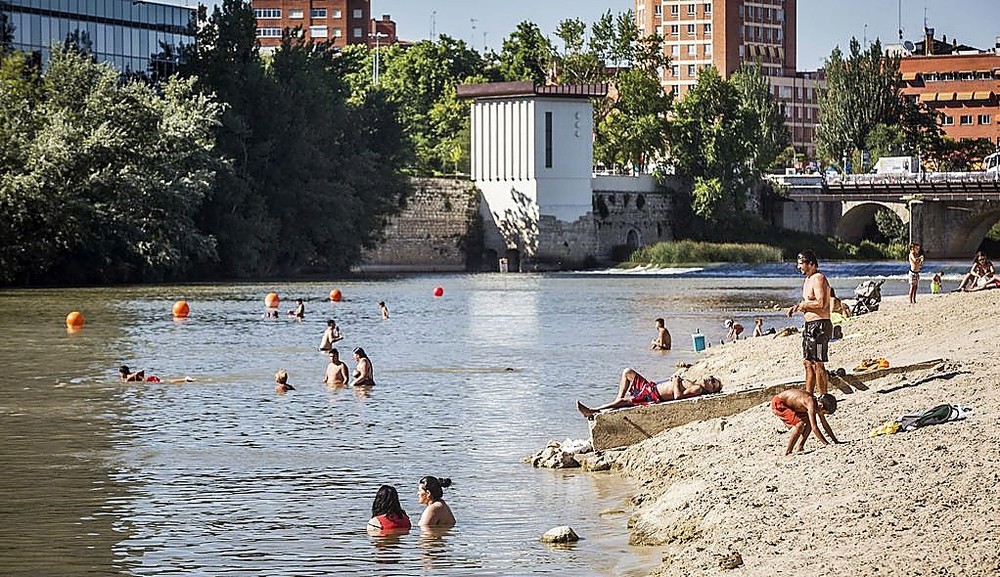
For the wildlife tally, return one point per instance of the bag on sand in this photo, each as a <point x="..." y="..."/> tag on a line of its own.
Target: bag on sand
<point x="933" y="416"/>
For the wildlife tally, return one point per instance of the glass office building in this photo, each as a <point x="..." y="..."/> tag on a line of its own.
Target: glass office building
<point x="134" y="35"/>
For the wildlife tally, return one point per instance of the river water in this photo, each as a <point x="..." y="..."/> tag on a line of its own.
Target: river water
<point x="223" y="477"/>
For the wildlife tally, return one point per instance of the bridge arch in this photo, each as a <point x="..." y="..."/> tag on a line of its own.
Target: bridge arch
<point x="859" y="215"/>
<point x="971" y="231"/>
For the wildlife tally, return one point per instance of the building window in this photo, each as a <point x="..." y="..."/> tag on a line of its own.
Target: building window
<point x="358" y="14"/>
<point x="548" y="140"/>
<point x="708" y="29"/>
<point x="337" y="13"/>
<point x="675" y="89"/>
<point x="690" y="29"/>
<point x="675" y="50"/>
<point x="295" y="13"/>
<point x="658" y="10"/>
<point x="267" y="13"/>
<point x="708" y="7"/>
<point x="984" y="119"/>
<point x="269" y="33"/>
<point x="675" y="71"/>
<point x="338" y="33"/>
<point x="675" y="30"/>
<point x="692" y="49"/>
<point x="708" y="50"/>
<point x="317" y="13"/>
<point x="741" y="11"/>
<point x="781" y="15"/>
<point x="675" y="9"/>
<point x="358" y="32"/>
<point x="947" y="120"/>
<point x="692" y="71"/>
<point x="690" y="9"/>
<point x="659" y="31"/>
<point x="965" y="120"/>
<point x="317" y="32"/>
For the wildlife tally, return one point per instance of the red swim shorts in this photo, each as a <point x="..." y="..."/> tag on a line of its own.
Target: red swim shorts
<point x="789" y="417"/>
<point x="643" y="392"/>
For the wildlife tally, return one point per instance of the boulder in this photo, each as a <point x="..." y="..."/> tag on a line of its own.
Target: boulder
<point x="561" y="534"/>
<point x="552" y="457"/>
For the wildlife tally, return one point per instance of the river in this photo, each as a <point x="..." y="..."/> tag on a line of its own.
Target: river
<point x="223" y="476"/>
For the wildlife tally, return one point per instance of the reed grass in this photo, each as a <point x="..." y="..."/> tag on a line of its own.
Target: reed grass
<point x="692" y="252"/>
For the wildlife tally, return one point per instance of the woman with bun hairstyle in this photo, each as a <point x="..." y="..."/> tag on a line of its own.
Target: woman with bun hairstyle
<point x="387" y="513"/>
<point x="430" y="492"/>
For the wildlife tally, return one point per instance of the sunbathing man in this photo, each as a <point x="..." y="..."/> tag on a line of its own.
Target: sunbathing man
<point x="799" y="410"/>
<point x="634" y="389"/>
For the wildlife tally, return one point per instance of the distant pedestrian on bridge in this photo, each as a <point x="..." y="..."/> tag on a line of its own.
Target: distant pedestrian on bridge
<point x="916" y="259"/>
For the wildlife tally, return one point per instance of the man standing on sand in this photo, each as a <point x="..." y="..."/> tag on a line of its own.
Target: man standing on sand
<point x="815" y="307"/>
<point x="916" y="261"/>
<point x="799" y="410"/>
<point x="662" y="340"/>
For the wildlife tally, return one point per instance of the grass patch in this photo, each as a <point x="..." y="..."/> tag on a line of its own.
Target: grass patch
<point x="690" y="251"/>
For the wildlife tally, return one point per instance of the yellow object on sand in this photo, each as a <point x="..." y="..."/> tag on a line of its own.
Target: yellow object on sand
<point x="871" y="365"/>
<point x="888" y="428"/>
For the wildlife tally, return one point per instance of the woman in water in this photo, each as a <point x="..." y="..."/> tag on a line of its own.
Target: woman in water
<point x="364" y="373"/>
<point x="387" y="513"/>
<point x="430" y="492"/>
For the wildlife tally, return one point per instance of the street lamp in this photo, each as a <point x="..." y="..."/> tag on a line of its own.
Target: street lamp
<point x="377" y="36"/>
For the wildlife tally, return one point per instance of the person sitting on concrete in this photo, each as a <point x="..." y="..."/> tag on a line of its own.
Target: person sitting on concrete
<point x="634" y="389"/>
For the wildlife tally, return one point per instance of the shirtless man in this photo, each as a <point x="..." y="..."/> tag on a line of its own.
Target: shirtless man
<point x="281" y="385"/>
<point x="662" y="340"/>
<point x="916" y="261"/>
<point x="336" y="371"/>
<point x="634" y="389"/>
<point x="364" y="373"/>
<point x="799" y="411"/>
<point x="330" y="335"/>
<point x="815" y="307"/>
<point x="300" y="310"/>
<point x="383" y="309"/>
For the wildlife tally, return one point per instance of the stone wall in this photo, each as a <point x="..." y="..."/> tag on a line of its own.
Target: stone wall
<point x="431" y="234"/>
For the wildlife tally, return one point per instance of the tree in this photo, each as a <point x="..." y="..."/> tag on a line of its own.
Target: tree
<point x="109" y="176"/>
<point x="525" y="55"/>
<point x="6" y="34"/>
<point x="862" y="91"/>
<point x="711" y="140"/>
<point x="416" y="80"/>
<point x="769" y="135"/>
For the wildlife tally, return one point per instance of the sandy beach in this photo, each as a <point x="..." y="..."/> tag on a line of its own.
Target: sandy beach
<point x="917" y="503"/>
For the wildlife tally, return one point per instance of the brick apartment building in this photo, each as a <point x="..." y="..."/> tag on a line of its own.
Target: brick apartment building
<point x="728" y="34"/>
<point x="341" y="22"/>
<point x="960" y="83"/>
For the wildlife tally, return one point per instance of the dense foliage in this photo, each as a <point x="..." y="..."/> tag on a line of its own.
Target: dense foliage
<point x="692" y="252"/>
<point x="100" y="181"/>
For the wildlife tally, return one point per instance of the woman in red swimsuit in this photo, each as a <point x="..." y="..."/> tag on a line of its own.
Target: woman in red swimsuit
<point x="387" y="513"/>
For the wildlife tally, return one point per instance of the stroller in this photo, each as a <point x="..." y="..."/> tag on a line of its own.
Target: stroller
<point x="868" y="295"/>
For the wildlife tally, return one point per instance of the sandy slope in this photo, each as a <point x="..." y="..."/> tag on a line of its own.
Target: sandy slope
<point x="917" y="503"/>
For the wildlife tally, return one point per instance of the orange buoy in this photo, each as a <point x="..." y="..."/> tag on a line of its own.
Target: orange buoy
<point x="336" y="296"/>
<point x="74" y="320"/>
<point x="272" y="301"/>
<point x="439" y="291"/>
<point x="181" y="309"/>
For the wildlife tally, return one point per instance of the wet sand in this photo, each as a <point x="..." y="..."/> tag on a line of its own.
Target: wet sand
<point x="915" y="503"/>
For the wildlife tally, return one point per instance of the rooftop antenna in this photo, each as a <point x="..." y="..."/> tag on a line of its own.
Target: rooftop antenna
<point x="433" y="23"/>
<point x="899" y="18"/>
<point x="472" y="38"/>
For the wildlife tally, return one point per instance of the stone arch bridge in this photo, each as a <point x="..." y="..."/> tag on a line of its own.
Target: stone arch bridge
<point x="949" y="214"/>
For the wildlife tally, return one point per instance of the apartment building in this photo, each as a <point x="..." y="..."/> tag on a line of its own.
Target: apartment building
<point x="728" y="34"/>
<point x="960" y="83"/>
<point x="341" y="22"/>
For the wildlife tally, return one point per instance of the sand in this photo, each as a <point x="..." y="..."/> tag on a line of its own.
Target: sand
<point x="916" y="503"/>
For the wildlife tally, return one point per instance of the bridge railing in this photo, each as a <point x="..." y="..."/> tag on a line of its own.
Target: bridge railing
<point x="876" y="180"/>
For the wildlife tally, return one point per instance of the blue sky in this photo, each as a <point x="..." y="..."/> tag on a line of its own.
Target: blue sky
<point x="823" y="24"/>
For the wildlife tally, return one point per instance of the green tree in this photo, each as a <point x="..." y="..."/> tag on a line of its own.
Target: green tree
<point x="711" y="141"/>
<point x="109" y="177"/>
<point x="862" y="91"/>
<point x="769" y="135"/>
<point x="6" y="33"/>
<point x="525" y="54"/>
<point x="420" y="81"/>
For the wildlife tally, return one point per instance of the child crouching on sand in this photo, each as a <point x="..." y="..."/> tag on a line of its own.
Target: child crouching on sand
<point x="799" y="409"/>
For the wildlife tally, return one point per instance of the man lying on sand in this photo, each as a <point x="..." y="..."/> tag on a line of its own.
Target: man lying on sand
<point x="634" y="389"/>
<point x="798" y="409"/>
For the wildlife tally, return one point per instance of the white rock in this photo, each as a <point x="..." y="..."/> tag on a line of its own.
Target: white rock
<point x="561" y="534"/>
